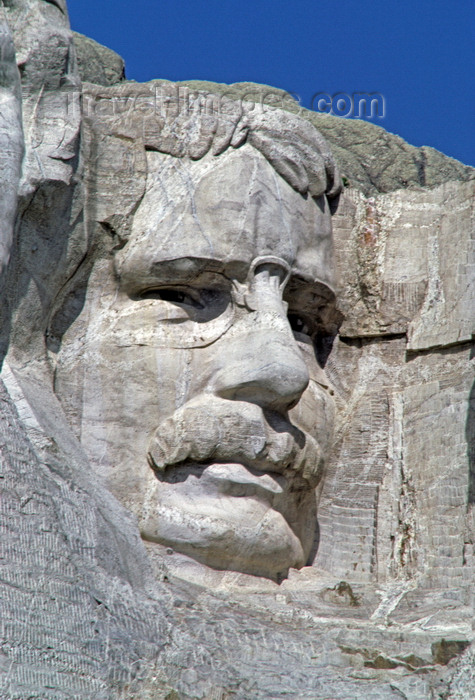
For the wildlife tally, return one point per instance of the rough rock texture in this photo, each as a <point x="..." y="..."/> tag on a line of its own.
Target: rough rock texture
<point x="11" y="142"/>
<point x="370" y="158"/>
<point x="70" y="582"/>
<point x="96" y="63"/>
<point x="408" y="265"/>
<point x="90" y="611"/>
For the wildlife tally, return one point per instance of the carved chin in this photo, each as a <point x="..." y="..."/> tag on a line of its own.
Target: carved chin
<point x="237" y="534"/>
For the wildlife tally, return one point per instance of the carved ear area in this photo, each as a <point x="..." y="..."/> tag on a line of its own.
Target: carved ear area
<point x="334" y="180"/>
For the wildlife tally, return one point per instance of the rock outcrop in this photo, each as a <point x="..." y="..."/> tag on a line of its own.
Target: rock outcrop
<point x="96" y="63"/>
<point x="89" y="610"/>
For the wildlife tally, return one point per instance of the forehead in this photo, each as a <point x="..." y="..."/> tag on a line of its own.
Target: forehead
<point x="231" y="209"/>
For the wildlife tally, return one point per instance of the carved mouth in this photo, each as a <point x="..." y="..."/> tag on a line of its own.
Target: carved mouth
<point x="233" y="432"/>
<point x="230" y="478"/>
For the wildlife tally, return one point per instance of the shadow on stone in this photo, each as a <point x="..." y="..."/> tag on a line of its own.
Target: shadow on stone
<point x="470" y="435"/>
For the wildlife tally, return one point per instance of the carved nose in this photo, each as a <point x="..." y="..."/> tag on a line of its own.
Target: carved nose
<point x="264" y="370"/>
<point x="263" y="363"/>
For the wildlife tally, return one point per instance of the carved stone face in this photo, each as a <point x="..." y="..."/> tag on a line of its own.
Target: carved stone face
<point x="191" y="374"/>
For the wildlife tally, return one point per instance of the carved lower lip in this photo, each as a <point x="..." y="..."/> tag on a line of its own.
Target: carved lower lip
<point x="240" y="475"/>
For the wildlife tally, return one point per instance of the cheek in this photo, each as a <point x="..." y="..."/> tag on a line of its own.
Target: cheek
<point x="316" y="410"/>
<point x="142" y="385"/>
<point x="315" y="414"/>
<point x="123" y="389"/>
<point x="115" y="398"/>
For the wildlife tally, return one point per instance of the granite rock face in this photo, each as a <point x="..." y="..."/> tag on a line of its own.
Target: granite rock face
<point x="370" y="159"/>
<point x="91" y="605"/>
<point x="11" y="142"/>
<point x="96" y="63"/>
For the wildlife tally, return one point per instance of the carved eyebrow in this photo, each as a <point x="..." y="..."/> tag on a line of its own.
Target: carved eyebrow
<point x="187" y="269"/>
<point x="307" y="296"/>
<point x="317" y="300"/>
<point x="309" y="292"/>
<point x="137" y="274"/>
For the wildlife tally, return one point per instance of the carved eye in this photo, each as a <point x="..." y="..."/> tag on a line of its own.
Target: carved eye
<point x="299" y="324"/>
<point x="173" y="295"/>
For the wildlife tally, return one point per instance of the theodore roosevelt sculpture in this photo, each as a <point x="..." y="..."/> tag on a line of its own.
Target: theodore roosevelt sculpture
<point x="81" y="613"/>
<point x="194" y="373"/>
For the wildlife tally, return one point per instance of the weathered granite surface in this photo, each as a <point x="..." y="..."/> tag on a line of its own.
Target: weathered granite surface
<point x="96" y="63"/>
<point x="370" y="158"/>
<point x="11" y="142"/>
<point x="90" y="610"/>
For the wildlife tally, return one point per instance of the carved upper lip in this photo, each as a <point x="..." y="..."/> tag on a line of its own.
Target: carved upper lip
<point x="234" y="432"/>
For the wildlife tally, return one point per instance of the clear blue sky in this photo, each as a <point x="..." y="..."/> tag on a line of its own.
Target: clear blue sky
<point x="419" y="54"/>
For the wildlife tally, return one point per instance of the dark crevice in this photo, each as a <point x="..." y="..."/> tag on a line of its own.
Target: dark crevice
<point x="360" y="341"/>
<point x="56" y="3"/>
<point x="448" y="349"/>
<point x="421" y="168"/>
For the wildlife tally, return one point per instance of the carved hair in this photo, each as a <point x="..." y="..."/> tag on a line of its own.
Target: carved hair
<point x="182" y="123"/>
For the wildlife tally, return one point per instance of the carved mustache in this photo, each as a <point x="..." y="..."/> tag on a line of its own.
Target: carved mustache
<point x="216" y="430"/>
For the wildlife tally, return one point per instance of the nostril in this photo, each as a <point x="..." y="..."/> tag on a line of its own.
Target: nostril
<point x="292" y="405"/>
